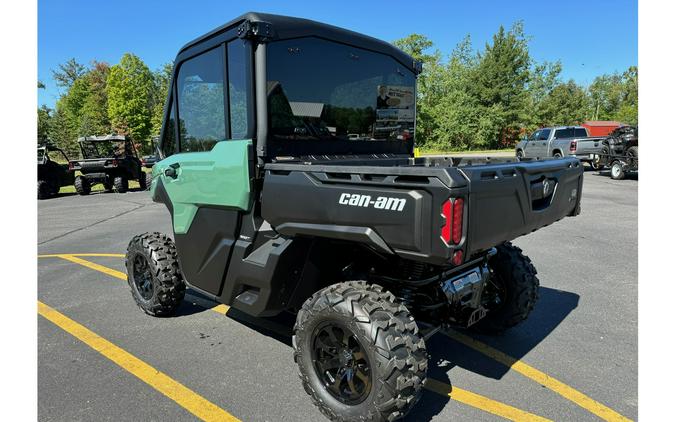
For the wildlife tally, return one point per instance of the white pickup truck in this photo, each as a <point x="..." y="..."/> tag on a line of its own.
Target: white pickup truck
<point x="558" y="142"/>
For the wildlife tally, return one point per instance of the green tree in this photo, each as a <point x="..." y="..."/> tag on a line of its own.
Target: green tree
<point x="160" y="90"/>
<point x="93" y="116"/>
<point x="62" y="129"/>
<point x="67" y="73"/>
<point x="129" y="97"/>
<point x="628" y="110"/>
<point x="566" y="104"/>
<point x="544" y="78"/>
<point x="419" y="48"/>
<point x="44" y="117"/>
<point x="499" y="84"/>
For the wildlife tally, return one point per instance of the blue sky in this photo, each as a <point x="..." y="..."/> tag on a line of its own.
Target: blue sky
<point x="589" y="37"/>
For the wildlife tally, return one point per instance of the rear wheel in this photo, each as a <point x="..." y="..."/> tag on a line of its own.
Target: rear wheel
<point x="511" y="291"/>
<point x="153" y="274"/>
<point x="121" y="184"/>
<point x="82" y="185"/>
<point x="359" y="353"/>
<point x="632" y="154"/>
<point x="616" y="172"/>
<point x="557" y="155"/>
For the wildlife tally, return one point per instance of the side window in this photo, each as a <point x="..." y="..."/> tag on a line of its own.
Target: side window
<point x="544" y="134"/>
<point x="237" y="73"/>
<point x="564" y="133"/>
<point x="535" y="136"/>
<point x="169" y="142"/>
<point x="201" y="101"/>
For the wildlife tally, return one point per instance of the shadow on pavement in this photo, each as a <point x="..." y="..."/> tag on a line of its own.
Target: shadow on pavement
<point x="630" y="175"/>
<point x="444" y="353"/>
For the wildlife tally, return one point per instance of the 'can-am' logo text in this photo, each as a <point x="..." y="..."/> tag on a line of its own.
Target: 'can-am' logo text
<point x="381" y="203"/>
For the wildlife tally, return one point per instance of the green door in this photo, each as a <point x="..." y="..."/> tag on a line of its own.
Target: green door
<point x="217" y="178"/>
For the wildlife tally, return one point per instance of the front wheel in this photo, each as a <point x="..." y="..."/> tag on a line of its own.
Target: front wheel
<point x="153" y="274"/>
<point x="359" y="352"/>
<point x="43" y="190"/>
<point x="82" y="185"/>
<point x="511" y="291"/>
<point x="519" y="155"/>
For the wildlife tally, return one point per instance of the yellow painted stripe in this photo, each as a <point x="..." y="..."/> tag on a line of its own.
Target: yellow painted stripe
<point x="188" y="399"/>
<point x="59" y="255"/>
<point x="481" y="402"/>
<point x="457" y="394"/>
<point x="94" y="266"/>
<point x="536" y="375"/>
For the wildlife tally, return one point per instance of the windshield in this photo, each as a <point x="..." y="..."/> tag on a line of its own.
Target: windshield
<point x="320" y="90"/>
<point x="104" y="149"/>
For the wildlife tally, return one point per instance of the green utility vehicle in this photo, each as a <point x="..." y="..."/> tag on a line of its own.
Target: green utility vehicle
<point x="52" y="174"/>
<point x="287" y="167"/>
<point x="111" y="160"/>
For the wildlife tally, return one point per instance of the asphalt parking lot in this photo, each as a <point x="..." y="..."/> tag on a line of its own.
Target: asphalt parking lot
<point x="102" y="358"/>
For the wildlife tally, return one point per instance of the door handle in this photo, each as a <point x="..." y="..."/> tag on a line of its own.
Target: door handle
<point x="171" y="171"/>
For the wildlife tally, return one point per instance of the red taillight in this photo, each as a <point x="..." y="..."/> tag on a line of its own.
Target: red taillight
<point x="457" y="214"/>
<point x="453" y="211"/>
<point x="114" y="163"/>
<point x="447" y="213"/>
<point x="70" y="165"/>
<point x="573" y="146"/>
<point x="457" y="257"/>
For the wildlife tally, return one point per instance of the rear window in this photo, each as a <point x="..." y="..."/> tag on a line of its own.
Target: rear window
<point x="580" y="133"/>
<point x="564" y="133"/>
<point x="334" y="97"/>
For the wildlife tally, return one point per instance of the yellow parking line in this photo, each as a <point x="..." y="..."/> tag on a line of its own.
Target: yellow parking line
<point x="457" y="394"/>
<point x="188" y="399"/>
<point x="481" y="402"/>
<point x="59" y="255"/>
<point x="94" y="266"/>
<point x="536" y="375"/>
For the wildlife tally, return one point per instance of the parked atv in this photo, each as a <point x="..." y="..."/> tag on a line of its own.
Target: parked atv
<point x="620" y="152"/>
<point x="277" y="207"/>
<point x="111" y="160"/>
<point x="51" y="174"/>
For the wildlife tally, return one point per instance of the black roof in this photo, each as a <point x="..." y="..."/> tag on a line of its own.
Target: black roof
<point x="285" y="27"/>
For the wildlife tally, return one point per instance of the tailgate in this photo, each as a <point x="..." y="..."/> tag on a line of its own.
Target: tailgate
<point x="589" y="146"/>
<point x="509" y="200"/>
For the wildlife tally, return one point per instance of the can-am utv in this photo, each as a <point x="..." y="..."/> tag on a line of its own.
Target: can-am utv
<point x="620" y="152"/>
<point x="111" y="160"/>
<point x="277" y="207"/>
<point x="52" y="174"/>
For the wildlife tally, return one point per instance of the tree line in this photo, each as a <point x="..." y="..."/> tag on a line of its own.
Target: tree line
<point x="126" y="98"/>
<point x="488" y="99"/>
<point x="471" y="99"/>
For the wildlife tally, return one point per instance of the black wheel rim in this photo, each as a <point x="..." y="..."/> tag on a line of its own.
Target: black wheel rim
<point x="143" y="277"/>
<point x="341" y="363"/>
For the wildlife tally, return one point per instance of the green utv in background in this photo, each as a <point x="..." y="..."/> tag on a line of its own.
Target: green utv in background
<point x="287" y="167"/>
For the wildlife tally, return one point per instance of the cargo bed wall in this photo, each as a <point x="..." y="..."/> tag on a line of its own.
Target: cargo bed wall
<point x="391" y="209"/>
<point x="508" y="201"/>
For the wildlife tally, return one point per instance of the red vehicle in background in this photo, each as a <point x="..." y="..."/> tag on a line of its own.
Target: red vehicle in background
<point x="601" y="127"/>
